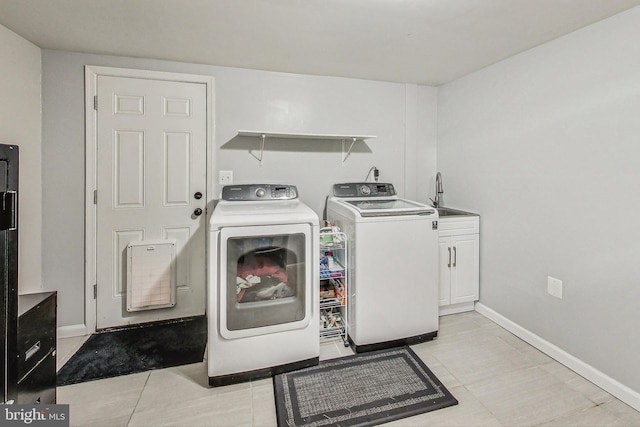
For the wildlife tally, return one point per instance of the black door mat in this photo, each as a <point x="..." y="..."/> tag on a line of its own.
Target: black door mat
<point x="364" y="389"/>
<point x="128" y="350"/>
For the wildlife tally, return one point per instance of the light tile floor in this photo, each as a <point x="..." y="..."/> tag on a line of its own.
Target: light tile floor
<point x="498" y="379"/>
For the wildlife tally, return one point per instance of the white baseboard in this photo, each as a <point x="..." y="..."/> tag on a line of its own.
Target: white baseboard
<point x="73" y="331"/>
<point x="610" y="385"/>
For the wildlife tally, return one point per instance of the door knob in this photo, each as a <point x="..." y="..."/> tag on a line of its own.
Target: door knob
<point x="198" y="195"/>
<point x="197" y="212"/>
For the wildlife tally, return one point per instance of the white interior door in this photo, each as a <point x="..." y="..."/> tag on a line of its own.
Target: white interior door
<point x="151" y="186"/>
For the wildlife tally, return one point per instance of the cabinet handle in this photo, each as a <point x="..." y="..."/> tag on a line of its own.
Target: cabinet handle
<point x="32" y="351"/>
<point x="9" y="210"/>
<point x="449" y="264"/>
<point x="455" y="256"/>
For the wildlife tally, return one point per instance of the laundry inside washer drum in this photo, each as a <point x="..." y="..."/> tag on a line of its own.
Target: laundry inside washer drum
<point x="262" y="275"/>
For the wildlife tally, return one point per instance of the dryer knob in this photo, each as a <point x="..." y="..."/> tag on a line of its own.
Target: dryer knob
<point x="365" y="190"/>
<point x="260" y="192"/>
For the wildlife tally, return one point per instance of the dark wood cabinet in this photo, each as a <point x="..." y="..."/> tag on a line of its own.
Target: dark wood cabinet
<point x="36" y="349"/>
<point x="27" y="322"/>
<point x="8" y="270"/>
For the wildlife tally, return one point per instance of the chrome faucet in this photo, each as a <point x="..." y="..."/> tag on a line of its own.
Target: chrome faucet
<point x="436" y="201"/>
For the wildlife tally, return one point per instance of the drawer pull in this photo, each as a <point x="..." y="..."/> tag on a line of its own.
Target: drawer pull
<point x="32" y="351"/>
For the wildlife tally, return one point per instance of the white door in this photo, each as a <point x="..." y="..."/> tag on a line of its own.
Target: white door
<point x="465" y="271"/>
<point x="151" y="185"/>
<point x="444" y="271"/>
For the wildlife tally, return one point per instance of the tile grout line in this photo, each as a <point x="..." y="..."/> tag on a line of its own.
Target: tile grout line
<point x="139" y="397"/>
<point x="463" y="385"/>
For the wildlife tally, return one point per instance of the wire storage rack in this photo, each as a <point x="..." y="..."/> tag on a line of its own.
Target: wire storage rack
<point x="333" y="284"/>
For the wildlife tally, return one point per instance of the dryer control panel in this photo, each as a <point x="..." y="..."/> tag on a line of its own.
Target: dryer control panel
<point x="253" y="192"/>
<point x="363" y="189"/>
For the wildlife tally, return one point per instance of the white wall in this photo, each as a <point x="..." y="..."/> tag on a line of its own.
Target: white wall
<point x="420" y="142"/>
<point x="545" y="147"/>
<point x="20" y="125"/>
<point x="401" y="116"/>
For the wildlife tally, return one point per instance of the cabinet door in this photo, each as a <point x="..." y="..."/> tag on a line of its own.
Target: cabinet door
<point x="445" y="271"/>
<point x="465" y="268"/>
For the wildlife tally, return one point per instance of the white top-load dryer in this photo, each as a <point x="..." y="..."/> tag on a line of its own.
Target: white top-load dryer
<point x="263" y="283"/>
<point x="393" y="265"/>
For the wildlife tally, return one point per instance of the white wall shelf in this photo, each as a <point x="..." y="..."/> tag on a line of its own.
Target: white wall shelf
<point x="346" y="139"/>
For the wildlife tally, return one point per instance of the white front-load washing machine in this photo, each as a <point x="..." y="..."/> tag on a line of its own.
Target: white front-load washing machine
<point x="263" y="284"/>
<point x="393" y="265"/>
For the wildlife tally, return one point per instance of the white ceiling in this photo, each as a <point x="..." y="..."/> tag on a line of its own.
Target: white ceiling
<point x="411" y="41"/>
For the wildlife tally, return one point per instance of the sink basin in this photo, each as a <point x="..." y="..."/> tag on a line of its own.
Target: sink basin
<point x="453" y="212"/>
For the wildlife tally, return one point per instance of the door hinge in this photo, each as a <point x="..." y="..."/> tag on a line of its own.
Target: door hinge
<point x="95" y="197"/>
<point x="95" y="102"/>
<point x="95" y="291"/>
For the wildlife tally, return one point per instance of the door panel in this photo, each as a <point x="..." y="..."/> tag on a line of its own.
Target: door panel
<point x="177" y="162"/>
<point x="129" y="169"/>
<point x="444" y="281"/>
<point x="464" y="285"/>
<point x="151" y="159"/>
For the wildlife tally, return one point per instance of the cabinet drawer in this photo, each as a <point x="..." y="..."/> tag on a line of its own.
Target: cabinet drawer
<point x="456" y="226"/>
<point x="40" y="385"/>
<point x="36" y="330"/>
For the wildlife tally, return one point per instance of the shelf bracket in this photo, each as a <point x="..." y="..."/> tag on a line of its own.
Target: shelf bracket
<point x="345" y="156"/>
<point x="263" y="137"/>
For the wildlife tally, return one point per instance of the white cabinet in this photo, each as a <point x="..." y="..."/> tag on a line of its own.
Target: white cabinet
<point x="459" y="263"/>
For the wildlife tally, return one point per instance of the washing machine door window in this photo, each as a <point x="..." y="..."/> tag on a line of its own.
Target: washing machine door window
<point x="265" y="279"/>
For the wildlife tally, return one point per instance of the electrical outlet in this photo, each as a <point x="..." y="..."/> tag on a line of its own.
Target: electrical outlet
<point x="554" y="287"/>
<point x="226" y="178"/>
